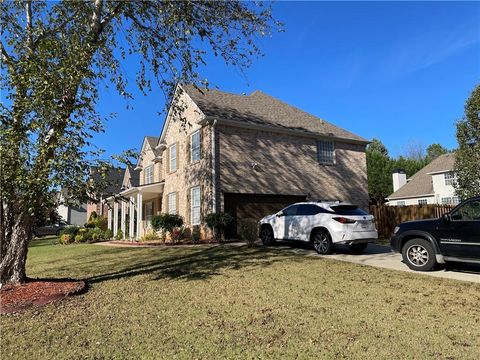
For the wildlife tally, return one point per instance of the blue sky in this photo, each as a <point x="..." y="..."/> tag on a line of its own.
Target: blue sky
<point x="400" y="72"/>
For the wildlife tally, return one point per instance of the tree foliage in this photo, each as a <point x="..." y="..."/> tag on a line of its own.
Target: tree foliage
<point x="467" y="156"/>
<point x="54" y="56"/>
<point x="434" y="151"/>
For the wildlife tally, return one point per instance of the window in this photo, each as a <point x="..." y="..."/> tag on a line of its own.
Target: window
<point x="348" y="210"/>
<point x="290" y="211"/>
<point x="400" y="203"/>
<point x="195" y="206"/>
<point x="148" y="212"/>
<point x="422" y="202"/>
<point x="308" y="209"/>
<point x="449" y="178"/>
<point x="325" y="152"/>
<point x="468" y="212"/>
<point x="172" y="203"/>
<point x="173" y="158"/>
<point x="195" y="146"/>
<point x="148" y="179"/>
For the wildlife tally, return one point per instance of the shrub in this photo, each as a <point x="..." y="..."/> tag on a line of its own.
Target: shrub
<point x="79" y="238"/>
<point x="97" y="222"/>
<point x="108" y="234"/>
<point x="119" y="235"/>
<point x="93" y="216"/>
<point x="178" y="234"/>
<point x="66" y="239"/>
<point x="196" y="234"/>
<point x="218" y="222"/>
<point x="70" y="230"/>
<point x="166" y="222"/>
<point x="249" y="231"/>
<point x="150" y="236"/>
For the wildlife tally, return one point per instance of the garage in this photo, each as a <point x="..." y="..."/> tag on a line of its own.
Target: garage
<point x="254" y="206"/>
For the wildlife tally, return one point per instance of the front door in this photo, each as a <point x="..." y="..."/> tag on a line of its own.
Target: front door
<point x="461" y="235"/>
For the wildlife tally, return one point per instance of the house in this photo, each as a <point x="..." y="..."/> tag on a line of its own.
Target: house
<point x="248" y="155"/>
<point x="433" y="184"/>
<point x="110" y="181"/>
<point x="71" y="214"/>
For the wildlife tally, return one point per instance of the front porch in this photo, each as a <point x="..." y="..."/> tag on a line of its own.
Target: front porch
<point x="131" y="210"/>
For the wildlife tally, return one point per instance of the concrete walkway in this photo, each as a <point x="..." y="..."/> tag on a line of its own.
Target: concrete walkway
<point x="381" y="256"/>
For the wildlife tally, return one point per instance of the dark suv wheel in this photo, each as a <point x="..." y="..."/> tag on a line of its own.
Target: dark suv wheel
<point x="419" y="255"/>
<point x="322" y="243"/>
<point x="266" y="235"/>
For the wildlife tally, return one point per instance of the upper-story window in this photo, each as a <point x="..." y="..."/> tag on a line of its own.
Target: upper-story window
<point x="195" y="146"/>
<point x="195" y="205"/>
<point x="325" y="152"/>
<point x="422" y="201"/>
<point x="173" y="158"/>
<point x="148" y="175"/>
<point x="449" y="178"/>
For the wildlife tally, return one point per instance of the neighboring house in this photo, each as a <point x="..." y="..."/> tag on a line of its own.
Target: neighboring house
<point x="245" y="155"/>
<point x="431" y="185"/>
<point x="73" y="215"/>
<point x="111" y="183"/>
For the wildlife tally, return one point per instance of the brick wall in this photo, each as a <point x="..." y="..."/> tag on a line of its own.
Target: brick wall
<point x="253" y="161"/>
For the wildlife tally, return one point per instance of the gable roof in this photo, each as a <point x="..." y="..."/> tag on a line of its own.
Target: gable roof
<point x="421" y="182"/>
<point x="113" y="179"/>
<point x="152" y="143"/>
<point x="259" y="108"/>
<point x="134" y="176"/>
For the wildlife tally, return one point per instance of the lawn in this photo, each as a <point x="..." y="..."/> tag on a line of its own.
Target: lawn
<point x="238" y="302"/>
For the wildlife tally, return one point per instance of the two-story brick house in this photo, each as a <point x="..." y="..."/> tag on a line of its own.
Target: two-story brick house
<point x="248" y="155"/>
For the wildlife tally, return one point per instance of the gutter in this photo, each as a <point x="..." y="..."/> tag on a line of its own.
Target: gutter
<point x="214" y="182"/>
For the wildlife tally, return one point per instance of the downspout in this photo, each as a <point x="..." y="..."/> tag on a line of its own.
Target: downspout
<point x="214" y="181"/>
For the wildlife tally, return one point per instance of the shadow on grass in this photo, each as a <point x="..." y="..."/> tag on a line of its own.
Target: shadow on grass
<point x="199" y="265"/>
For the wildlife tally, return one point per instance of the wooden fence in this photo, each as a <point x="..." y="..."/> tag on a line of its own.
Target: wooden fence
<point x="387" y="217"/>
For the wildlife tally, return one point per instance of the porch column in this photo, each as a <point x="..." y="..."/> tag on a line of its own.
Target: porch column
<point x="131" y="217"/>
<point x="139" y="214"/>
<point x="115" y="218"/>
<point x="123" y="219"/>
<point x="109" y="218"/>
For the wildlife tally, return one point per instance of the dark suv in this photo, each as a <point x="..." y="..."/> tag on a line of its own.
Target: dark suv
<point x="453" y="237"/>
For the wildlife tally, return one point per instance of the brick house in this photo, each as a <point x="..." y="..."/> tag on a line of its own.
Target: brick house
<point x="248" y="155"/>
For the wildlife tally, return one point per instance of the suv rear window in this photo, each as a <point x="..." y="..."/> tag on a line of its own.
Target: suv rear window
<point x="348" y="210"/>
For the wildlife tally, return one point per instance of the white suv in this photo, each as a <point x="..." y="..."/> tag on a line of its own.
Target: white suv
<point x="321" y="223"/>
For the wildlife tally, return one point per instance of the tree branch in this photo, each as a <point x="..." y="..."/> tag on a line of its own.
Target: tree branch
<point x="28" y="14"/>
<point x="7" y="59"/>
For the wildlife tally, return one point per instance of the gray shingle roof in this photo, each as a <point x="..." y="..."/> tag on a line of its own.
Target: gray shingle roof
<point x="152" y="141"/>
<point x="259" y="108"/>
<point x="134" y="176"/>
<point x="111" y="179"/>
<point x="421" y="182"/>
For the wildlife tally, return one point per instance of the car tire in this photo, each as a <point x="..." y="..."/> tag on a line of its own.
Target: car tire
<point x="419" y="255"/>
<point x="266" y="235"/>
<point x="358" y="248"/>
<point x="322" y="242"/>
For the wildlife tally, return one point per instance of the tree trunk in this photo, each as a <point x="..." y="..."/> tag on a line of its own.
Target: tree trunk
<point x="16" y="237"/>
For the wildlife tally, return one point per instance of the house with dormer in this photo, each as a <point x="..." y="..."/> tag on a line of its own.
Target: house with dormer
<point x="248" y="155"/>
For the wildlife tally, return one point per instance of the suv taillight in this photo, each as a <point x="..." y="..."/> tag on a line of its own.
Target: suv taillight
<point x="344" y="220"/>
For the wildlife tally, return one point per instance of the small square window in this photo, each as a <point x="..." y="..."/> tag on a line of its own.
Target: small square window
<point x="449" y="178"/>
<point x="422" y="202"/>
<point x="325" y="152"/>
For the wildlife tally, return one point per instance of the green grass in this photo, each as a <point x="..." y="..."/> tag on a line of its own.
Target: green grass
<point x="230" y="302"/>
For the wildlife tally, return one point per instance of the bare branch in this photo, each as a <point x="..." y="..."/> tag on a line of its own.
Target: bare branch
<point x="116" y="10"/>
<point x="28" y="14"/>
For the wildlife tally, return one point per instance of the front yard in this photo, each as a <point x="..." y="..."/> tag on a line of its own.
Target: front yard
<point x="238" y="302"/>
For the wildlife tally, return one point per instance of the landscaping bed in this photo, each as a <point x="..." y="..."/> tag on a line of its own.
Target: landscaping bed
<point x="16" y="298"/>
<point x="170" y="243"/>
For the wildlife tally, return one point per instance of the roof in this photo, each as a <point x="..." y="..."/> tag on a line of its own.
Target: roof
<point x="152" y="142"/>
<point x="259" y="108"/>
<point x="421" y="182"/>
<point x="134" y="176"/>
<point x="111" y="181"/>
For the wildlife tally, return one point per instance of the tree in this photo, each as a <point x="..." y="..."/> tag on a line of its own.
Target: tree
<point x="434" y="151"/>
<point x="467" y="157"/>
<point x="379" y="172"/>
<point x="54" y="55"/>
<point x="414" y="150"/>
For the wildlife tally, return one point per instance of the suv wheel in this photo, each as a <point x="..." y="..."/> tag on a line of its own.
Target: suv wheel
<point x="358" y="248"/>
<point x="322" y="243"/>
<point x="266" y="235"/>
<point x="419" y="255"/>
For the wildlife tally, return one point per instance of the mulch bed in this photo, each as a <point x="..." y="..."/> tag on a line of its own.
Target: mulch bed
<point x="169" y="243"/>
<point x="16" y="298"/>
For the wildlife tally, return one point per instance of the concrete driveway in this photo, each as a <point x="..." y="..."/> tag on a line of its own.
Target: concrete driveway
<point x="382" y="257"/>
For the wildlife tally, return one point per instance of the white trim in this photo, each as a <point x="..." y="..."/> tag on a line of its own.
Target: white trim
<point x="409" y="197"/>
